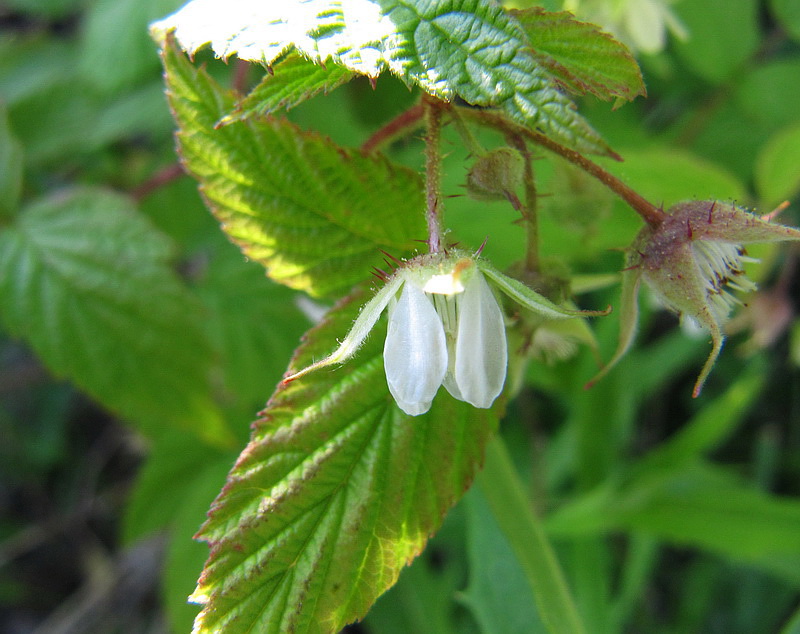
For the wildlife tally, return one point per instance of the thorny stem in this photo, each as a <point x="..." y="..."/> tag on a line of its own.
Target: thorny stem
<point x="651" y="214"/>
<point x="404" y="123"/>
<point x="530" y="209"/>
<point x="433" y="158"/>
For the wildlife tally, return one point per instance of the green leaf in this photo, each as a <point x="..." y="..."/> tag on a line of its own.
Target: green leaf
<point x="498" y="593"/>
<point x="776" y="174"/>
<point x="581" y="56"/>
<point x="115" y="48"/>
<point x="10" y="167"/>
<point x="335" y="493"/>
<point x="787" y="13"/>
<point x="175" y="459"/>
<point x="722" y="36"/>
<point x="698" y="505"/>
<point x="84" y="279"/>
<point x="770" y="93"/>
<point x="506" y="497"/>
<point x="288" y="84"/>
<point x="254" y="324"/>
<point x="471" y="49"/>
<point x="315" y="214"/>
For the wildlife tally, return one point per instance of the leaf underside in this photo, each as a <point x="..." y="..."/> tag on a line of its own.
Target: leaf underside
<point x="470" y="49"/>
<point x="336" y="492"/>
<point x="315" y="214"/>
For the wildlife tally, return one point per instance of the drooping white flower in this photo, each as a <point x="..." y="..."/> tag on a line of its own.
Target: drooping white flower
<point x="446" y="328"/>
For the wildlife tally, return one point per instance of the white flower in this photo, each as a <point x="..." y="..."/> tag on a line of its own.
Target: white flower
<point x="446" y="327"/>
<point x="446" y="332"/>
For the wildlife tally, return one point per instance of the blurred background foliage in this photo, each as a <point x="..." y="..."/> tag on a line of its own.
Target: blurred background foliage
<point x="119" y="423"/>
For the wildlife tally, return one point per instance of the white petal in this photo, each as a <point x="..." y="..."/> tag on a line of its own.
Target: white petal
<point x="415" y="353"/>
<point x="481" y="349"/>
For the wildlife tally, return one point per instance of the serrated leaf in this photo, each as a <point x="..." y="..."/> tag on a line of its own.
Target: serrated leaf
<point x="582" y="57"/>
<point x="335" y="493"/>
<point x="471" y="49"/>
<point x="84" y="279"/>
<point x="291" y="82"/>
<point x="10" y="167"/>
<point x="315" y="214"/>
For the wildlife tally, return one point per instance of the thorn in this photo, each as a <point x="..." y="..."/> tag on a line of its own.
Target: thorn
<point x="711" y="211"/>
<point x="480" y="248"/>
<point x="454" y="195"/>
<point x="513" y="199"/>
<point x="689" y="232"/>
<point x="373" y="81"/>
<point x="391" y="257"/>
<point x="270" y="70"/>
<point x="631" y="268"/>
<point x="772" y="214"/>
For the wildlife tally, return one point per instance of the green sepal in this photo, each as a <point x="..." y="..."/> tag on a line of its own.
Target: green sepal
<point x="528" y="298"/>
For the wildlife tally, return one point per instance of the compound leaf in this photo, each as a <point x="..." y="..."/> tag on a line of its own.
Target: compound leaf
<point x="336" y="492"/>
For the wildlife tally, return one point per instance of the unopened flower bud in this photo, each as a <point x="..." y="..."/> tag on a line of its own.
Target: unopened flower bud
<point x="496" y="175"/>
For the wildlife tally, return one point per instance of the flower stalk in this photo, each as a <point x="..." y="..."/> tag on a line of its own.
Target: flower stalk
<point x="433" y="159"/>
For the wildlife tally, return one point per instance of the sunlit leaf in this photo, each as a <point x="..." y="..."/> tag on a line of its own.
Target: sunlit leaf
<point x="471" y="49"/>
<point x="289" y="83"/>
<point x="315" y="214"/>
<point x="336" y="492"/>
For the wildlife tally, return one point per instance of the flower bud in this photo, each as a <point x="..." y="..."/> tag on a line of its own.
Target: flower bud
<point x="496" y="175"/>
<point x="694" y="261"/>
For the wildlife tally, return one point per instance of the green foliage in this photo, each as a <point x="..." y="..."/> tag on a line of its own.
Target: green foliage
<point x="776" y="173"/>
<point x="580" y="56"/>
<point x="626" y="507"/>
<point x="10" y="168"/>
<point x="289" y="83"/>
<point x="469" y="49"/>
<point x="315" y="214"/>
<point x="86" y="306"/>
<point x="335" y="493"/>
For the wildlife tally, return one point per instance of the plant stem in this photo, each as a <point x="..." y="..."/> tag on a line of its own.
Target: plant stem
<point x="501" y="487"/>
<point x="651" y="214"/>
<point x="433" y="158"/>
<point x="530" y="210"/>
<point x="403" y="123"/>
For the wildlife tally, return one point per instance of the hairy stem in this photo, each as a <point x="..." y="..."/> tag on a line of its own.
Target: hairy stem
<point x="530" y="209"/>
<point x="433" y="160"/>
<point x="651" y="214"/>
